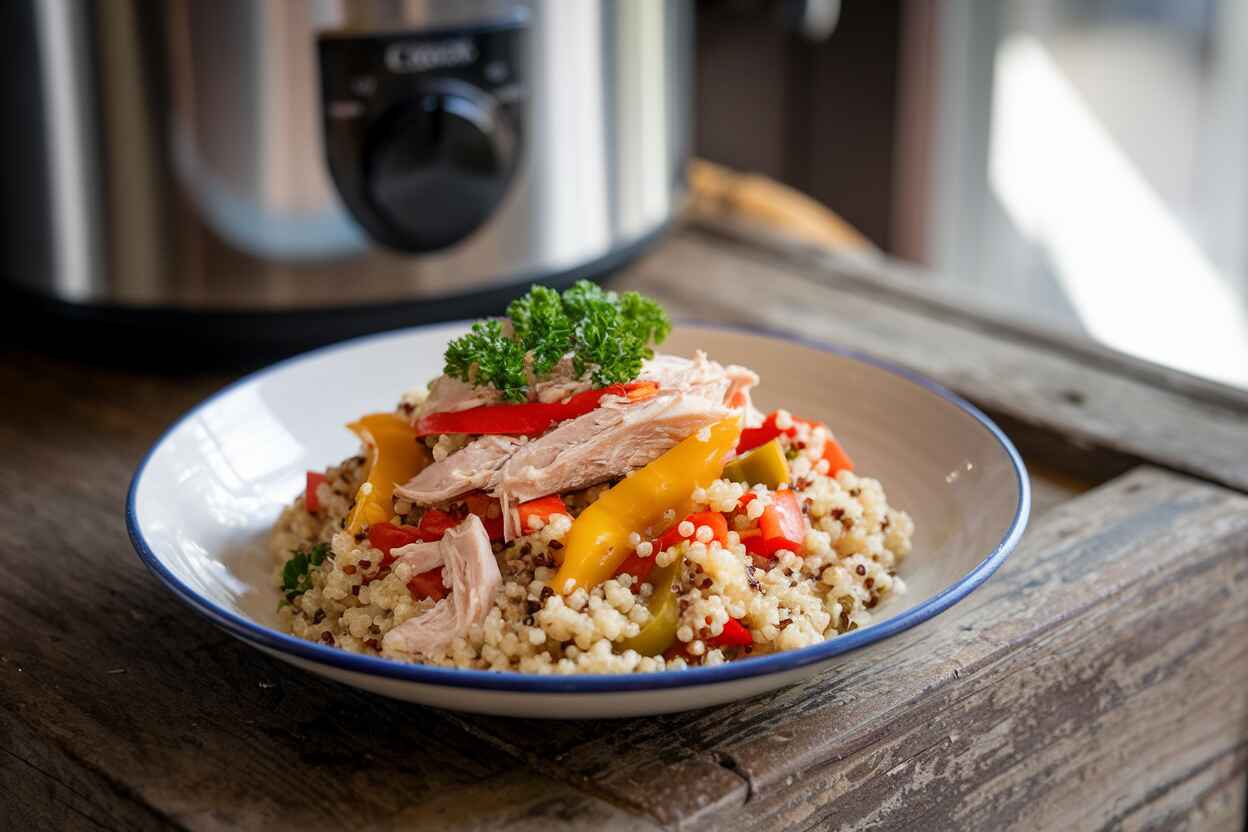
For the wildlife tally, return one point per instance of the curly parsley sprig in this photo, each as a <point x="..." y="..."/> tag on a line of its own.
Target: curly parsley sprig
<point x="487" y="356"/>
<point x="609" y="335"/>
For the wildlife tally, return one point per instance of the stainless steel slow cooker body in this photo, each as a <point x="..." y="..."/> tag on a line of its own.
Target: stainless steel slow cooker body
<point x="244" y="155"/>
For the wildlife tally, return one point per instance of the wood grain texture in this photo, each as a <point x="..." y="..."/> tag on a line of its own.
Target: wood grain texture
<point x="1099" y="680"/>
<point x="1077" y="677"/>
<point x="915" y="287"/>
<point x="120" y="709"/>
<point x="1050" y="488"/>
<point x="1093" y="412"/>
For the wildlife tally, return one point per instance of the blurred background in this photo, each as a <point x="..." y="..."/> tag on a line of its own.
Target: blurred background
<point x="257" y="175"/>
<point x="1077" y="163"/>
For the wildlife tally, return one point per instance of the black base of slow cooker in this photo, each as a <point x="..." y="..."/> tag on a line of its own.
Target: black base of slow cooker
<point x="173" y="339"/>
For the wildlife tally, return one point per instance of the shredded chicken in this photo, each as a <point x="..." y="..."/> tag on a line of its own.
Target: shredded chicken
<point x="450" y="395"/>
<point x="697" y="376"/>
<point x="560" y="383"/>
<point x="608" y="442"/>
<point x="473" y="467"/>
<point x="741" y="381"/>
<point x="469" y="569"/>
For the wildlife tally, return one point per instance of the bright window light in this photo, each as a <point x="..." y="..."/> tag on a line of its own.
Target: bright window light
<point x="1137" y="280"/>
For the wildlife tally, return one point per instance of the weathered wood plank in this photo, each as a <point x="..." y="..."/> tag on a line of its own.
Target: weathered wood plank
<point x="120" y="709"/>
<point x="1056" y="685"/>
<point x="129" y="712"/>
<point x="46" y="788"/>
<point x="1115" y="719"/>
<point x="1050" y="488"/>
<point x="1107" y="420"/>
<point x="518" y="801"/>
<point x="917" y="287"/>
<point x="231" y="738"/>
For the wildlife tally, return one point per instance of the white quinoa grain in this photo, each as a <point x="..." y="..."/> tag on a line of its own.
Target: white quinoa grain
<point x="845" y="570"/>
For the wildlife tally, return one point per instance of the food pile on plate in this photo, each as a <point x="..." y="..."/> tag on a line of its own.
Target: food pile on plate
<point x="565" y="500"/>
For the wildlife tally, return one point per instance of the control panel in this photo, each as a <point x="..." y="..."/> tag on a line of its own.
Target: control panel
<point x="423" y="130"/>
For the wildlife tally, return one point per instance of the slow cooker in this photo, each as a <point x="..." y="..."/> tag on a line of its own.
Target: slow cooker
<point x="263" y="167"/>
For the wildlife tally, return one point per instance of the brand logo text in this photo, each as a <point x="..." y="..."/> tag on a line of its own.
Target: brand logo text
<point x="420" y="57"/>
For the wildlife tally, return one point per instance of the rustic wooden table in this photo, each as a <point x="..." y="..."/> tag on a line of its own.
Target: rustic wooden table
<point x="1100" y="679"/>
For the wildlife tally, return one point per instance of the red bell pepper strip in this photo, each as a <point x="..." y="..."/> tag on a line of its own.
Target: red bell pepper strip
<point x="542" y="508"/>
<point x="528" y="419"/>
<point x="488" y="509"/>
<point x="751" y="438"/>
<point x="310" y="501"/>
<point x="717" y="522"/>
<point x="640" y="567"/>
<point x="387" y="536"/>
<point x="637" y="566"/>
<point x="435" y="522"/>
<point x="838" y="459"/>
<point x="781" y="526"/>
<point x="428" y="585"/>
<point x="734" y="635"/>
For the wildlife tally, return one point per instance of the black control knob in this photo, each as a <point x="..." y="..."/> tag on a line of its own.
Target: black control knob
<point x="437" y="166"/>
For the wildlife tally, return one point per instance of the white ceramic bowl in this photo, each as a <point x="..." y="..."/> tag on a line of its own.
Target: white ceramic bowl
<point x="205" y="495"/>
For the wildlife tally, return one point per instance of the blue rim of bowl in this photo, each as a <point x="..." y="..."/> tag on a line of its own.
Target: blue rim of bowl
<point x="514" y="682"/>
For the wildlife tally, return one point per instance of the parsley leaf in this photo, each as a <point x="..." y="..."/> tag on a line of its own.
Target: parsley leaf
<point x="613" y="351"/>
<point x="584" y="296"/>
<point x="488" y="357"/>
<point x="295" y="577"/>
<point x="542" y="326"/>
<point x="608" y="335"/>
<point x="645" y="317"/>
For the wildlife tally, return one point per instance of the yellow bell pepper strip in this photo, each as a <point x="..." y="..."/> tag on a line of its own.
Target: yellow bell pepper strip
<point x="598" y="541"/>
<point x="659" y="632"/>
<point x="395" y="455"/>
<point x="765" y="464"/>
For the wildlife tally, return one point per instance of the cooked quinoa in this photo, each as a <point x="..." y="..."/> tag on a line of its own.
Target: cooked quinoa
<point x="848" y="565"/>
